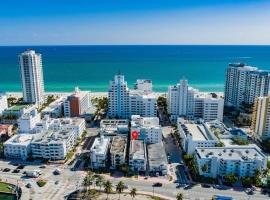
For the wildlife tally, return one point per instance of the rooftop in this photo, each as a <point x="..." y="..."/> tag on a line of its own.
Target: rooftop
<point x="147" y="122"/>
<point x="118" y="144"/>
<point x="100" y="145"/>
<point x="18" y="107"/>
<point x="243" y="153"/>
<point x="52" y="136"/>
<point x="156" y="154"/>
<point x="20" y="139"/>
<point x="137" y="150"/>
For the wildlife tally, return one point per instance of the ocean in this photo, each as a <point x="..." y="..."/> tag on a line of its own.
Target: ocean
<point x="92" y="67"/>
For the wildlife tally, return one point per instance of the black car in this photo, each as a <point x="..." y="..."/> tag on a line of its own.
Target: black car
<point x="187" y="187"/>
<point x="6" y="170"/>
<point x="16" y="171"/>
<point x="206" y="186"/>
<point x="20" y="167"/>
<point x="157" y="184"/>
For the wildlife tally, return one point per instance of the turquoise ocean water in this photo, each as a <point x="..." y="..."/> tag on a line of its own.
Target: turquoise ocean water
<point x="91" y="67"/>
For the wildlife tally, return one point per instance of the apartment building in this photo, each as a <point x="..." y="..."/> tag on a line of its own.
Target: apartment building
<point x="137" y="156"/>
<point x="114" y="127"/>
<point x="261" y="118"/>
<point x="99" y="152"/>
<point x="3" y="102"/>
<point x="55" y="109"/>
<point x="28" y="121"/>
<point x="77" y="104"/>
<point x="118" y="151"/>
<point x="32" y="77"/>
<point x="148" y="128"/>
<point x="195" y="134"/>
<point x="216" y="162"/>
<point x="245" y="83"/>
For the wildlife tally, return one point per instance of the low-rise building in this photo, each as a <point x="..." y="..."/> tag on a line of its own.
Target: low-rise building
<point x="195" y="134"/>
<point x="18" y="146"/>
<point x="55" y="109"/>
<point x="148" y="128"/>
<point x="3" y="102"/>
<point x="137" y="156"/>
<point x="99" y="152"/>
<point x="113" y="127"/>
<point x="216" y="162"/>
<point x="118" y="151"/>
<point x="18" y="110"/>
<point x="27" y="122"/>
<point x="157" y="159"/>
<point x="53" y="145"/>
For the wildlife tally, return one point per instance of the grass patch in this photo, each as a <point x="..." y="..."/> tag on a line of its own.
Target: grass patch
<point x="41" y="183"/>
<point x="157" y="198"/>
<point x="4" y="187"/>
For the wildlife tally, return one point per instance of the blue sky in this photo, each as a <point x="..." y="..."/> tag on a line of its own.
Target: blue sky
<point x="49" y="22"/>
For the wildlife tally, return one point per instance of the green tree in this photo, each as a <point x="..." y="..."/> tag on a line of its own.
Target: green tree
<point x="257" y="177"/>
<point x="133" y="192"/>
<point x="120" y="187"/>
<point x="246" y="181"/>
<point x="204" y="168"/>
<point x="107" y="187"/>
<point x="99" y="181"/>
<point x="230" y="179"/>
<point x="180" y="196"/>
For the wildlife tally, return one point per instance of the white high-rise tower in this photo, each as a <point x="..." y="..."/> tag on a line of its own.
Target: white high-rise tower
<point x="32" y="77"/>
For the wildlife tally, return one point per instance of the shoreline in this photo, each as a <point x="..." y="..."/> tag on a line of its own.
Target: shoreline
<point x="97" y="94"/>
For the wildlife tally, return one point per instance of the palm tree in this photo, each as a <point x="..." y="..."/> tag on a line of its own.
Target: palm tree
<point x="100" y="181"/>
<point x="107" y="187"/>
<point x="133" y="192"/>
<point x="180" y="196"/>
<point x="120" y="187"/>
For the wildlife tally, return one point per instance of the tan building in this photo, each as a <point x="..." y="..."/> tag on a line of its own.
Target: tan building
<point x="118" y="151"/>
<point x="261" y="118"/>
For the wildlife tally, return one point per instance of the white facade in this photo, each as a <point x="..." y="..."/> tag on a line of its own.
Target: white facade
<point x="143" y="104"/>
<point x="55" y="109"/>
<point x="157" y="159"/>
<point x="195" y="134"/>
<point x="53" y="145"/>
<point x="27" y="122"/>
<point x="99" y="152"/>
<point x="114" y="127"/>
<point x="124" y="102"/>
<point x="137" y="156"/>
<point x="244" y="84"/>
<point x="32" y="77"/>
<point x="261" y="118"/>
<point x="18" y="146"/>
<point x="216" y="162"/>
<point x="119" y="101"/>
<point x="3" y="103"/>
<point x="148" y="128"/>
<point x="185" y="101"/>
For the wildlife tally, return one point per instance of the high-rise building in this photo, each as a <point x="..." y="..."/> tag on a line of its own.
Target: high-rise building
<point x="185" y="101"/>
<point x="32" y="77"/>
<point x="261" y="118"/>
<point x="77" y="103"/>
<point x="124" y="102"/>
<point x="245" y="83"/>
<point x="119" y="101"/>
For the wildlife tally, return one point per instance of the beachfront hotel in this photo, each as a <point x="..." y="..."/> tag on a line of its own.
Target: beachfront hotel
<point x="124" y="102"/>
<point x="185" y="101"/>
<point x="260" y="118"/>
<point x="32" y="77"/>
<point x="245" y="83"/>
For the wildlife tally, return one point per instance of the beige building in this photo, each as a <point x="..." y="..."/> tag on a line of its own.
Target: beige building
<point x="260" y="118"/>
<point x="118" y="151"/>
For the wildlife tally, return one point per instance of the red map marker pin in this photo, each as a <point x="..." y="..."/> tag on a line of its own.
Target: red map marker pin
<point x="134" y="134"/>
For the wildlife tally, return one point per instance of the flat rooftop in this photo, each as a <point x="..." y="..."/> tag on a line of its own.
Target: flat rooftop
<point x="245" y="153"/>
<point x="100" y="145"/>
<point x="157" y="154"/>
<point x="17" y="107"/>
<point x="118" y="144"/>
<point x="147" y="122"/>
<point x="20" y="139"/>
<point x="52" y="136"/>
<point x="137" y="150"/>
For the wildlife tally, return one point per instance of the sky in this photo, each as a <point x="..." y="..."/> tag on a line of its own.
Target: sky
<point x="101" y="22"/>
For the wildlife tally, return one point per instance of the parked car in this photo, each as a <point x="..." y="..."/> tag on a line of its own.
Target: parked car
<point x="6" y="170"/>
<point x="205" y="185"/>
<point x="42" y="167"/>
<point x="28" y="185"/>
<point x="20" y="167"/>
<point x="157" y="184"/>
<point x="57" y="172"/>
<point x="16" y="171"/>
<point x="56" y="182"/>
